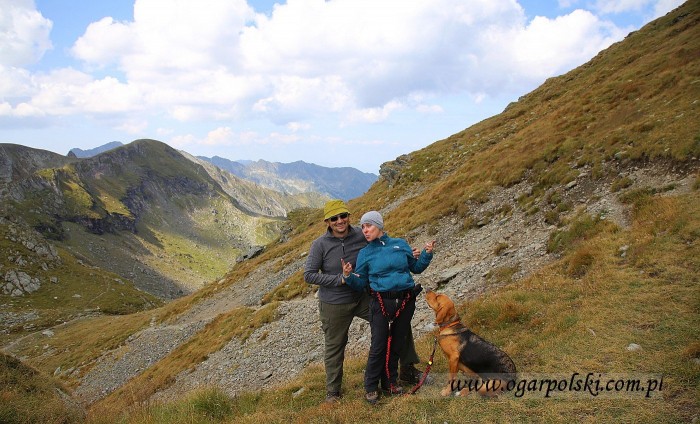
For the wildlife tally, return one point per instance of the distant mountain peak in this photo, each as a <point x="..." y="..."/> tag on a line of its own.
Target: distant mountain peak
<point x="80" y="153"/>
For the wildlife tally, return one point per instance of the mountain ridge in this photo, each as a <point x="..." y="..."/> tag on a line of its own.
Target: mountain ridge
<point x="152" y="197"/>
<point x="298" y="177"/>
<point x="80" y="153"/>
<point x="288" y="178"/>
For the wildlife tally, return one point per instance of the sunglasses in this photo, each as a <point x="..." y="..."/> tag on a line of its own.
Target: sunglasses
<point x="341" y="216"/>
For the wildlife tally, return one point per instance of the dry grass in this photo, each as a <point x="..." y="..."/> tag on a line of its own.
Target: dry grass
<point x="552" y="323"/>
<point x="239" y="322"/>
<point x="290" y="288"/>
<point x="28" y="396"/>
<point x="75" y="346"/>
<point x="606" y="112"/>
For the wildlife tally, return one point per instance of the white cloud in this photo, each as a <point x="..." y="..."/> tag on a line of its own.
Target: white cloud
<point x="298" y="126"/>
<point x="167" y="36"/>
<point x="67" y="91"/>
<point x="220" y="136"/>
<point x="24" y="33"/>
<point x="619" y="6"/>
<point x="565" y="4"/>
<point x="15" y="83"/>
<point x="375" y="114"/>
<point x="134" y="127"/>
<point x="658" y="7"/>
<point x="105" y="42"/>
<point x="549" y="47"/>
<point x="430" y="109"/>
<point x="360" y="61"/>
<point x="662" y="7"/>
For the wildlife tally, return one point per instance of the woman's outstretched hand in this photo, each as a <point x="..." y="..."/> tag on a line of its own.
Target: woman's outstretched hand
<point x="429" y="246"/>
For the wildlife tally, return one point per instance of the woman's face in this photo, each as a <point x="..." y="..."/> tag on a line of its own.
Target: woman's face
<point x="371" y="232"/>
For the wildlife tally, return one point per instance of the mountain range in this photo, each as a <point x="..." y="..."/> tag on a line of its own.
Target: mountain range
<point x="174" y="222"/>
<point x="290" y="178"/>
<point x="300" y="177"/>
<point x="567" y="234"/>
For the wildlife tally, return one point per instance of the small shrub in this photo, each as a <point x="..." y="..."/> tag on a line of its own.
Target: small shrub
<point x="551" y="217"/>
<point x="505" y="210"/>
<point x="290" y="288"/>
<point x="501" y="275"/>
<point x="500" y="248"/>
<point x="213" y="404"/>
<point x="564" y="206"/>
<point x="583" y="227"/>
<point x="579" y="263"/>
<point x="432" y="229"/>
<point x="692" y="351"/>
<point x="620" y="183"/>
<point x="468" y="223"/>
<point x="636" y="196"/>
<point x="512" y="312"/>
<point x="642" y="194"/>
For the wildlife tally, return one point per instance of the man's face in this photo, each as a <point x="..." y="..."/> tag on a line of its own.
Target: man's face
<point x="339" y="224"/>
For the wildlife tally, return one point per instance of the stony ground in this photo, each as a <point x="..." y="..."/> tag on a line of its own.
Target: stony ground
<point x="279" y="351"/>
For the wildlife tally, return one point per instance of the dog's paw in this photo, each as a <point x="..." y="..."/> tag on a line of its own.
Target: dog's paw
<point x="447" y="391"/>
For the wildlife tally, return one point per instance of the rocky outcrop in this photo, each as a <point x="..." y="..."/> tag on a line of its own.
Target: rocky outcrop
<point x="17" y="162"/>
<point x="18" y="283"/>
<point x="389" y="171"/>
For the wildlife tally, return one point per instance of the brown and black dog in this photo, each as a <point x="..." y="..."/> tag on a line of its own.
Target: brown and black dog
<point x="468" y="352"/>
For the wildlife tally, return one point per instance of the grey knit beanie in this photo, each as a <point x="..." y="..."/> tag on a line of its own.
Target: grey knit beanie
<point x="374" y="218"/>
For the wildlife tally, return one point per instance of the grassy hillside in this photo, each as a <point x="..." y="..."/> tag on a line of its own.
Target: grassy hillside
<point x="577" y="315"/>
<point x="29" y="397"/>
<point x="633" y="106"/>
<point x="633" y="103"/>
<point x="145" y="212"/>
<point x="70" y="288"/>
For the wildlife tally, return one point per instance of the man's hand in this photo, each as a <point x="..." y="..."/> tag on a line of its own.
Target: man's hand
<point x="416" y="252"/>
<point x="347" y="267"/>
<point x="429" y="246"/>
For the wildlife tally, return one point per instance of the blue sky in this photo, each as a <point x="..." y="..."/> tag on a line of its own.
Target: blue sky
<point x="336" y="82"/>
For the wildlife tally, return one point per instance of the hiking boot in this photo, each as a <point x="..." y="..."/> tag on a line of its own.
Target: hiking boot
<point x="332" y="397"/>
<point x="393" y="391"/>
<point x="410" y="374"/>
<point x="372" y="397"/>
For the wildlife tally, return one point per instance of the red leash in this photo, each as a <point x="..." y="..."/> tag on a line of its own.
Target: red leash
<point x="388" y="346"/>
<point x="388" y="341"/>
<point x="427" y="370"/>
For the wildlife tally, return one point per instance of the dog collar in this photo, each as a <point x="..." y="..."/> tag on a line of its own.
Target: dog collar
<point x="449" y="324"/>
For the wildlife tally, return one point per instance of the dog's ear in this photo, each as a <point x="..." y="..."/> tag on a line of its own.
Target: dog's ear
<point x="441" y="313"/>
<point x="448" y="313"/>
<point x="451" y="312"/>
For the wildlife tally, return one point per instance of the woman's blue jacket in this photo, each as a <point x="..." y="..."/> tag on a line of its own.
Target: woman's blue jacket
<point x="386" y="264"/>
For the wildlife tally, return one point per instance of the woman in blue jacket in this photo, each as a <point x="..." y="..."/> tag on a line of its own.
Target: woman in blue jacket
<point x="385" y="265"/>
